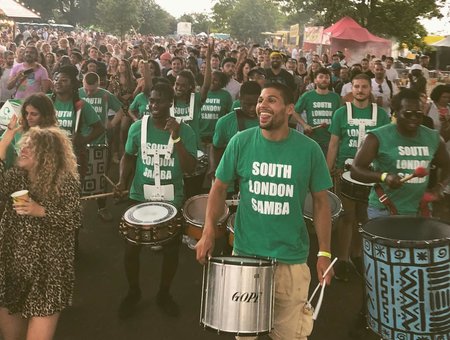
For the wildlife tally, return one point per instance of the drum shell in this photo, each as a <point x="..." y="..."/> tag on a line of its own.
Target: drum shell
<point x="193" y="182"/>
<point x="407" y="267"/>
<point x="353" y="190"/>
<point x="230" y="228"/>
<point x="335" y="206"/>
<point x="238" y="296"/>
<point x="194" y="212"/>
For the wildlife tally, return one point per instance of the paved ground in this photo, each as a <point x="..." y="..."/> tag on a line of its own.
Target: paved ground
<point x="101" y="284"/>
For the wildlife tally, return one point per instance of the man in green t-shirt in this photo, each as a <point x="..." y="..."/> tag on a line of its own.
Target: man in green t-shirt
<point x="396" y="150"/>
<point x="242" y="118"/>
<point x="75" y="115"/>
<point x="103" y="103"/>
<point x="276" y="167"/>
<point x="348" y="128"/>
<point x="319" y="106"/>
<point x="161" y="129"/>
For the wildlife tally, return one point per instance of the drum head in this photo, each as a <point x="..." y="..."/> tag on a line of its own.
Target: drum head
<point x="334" y="201"/>
<point x="194" y="210"/>
<point x="200" y="154"/>
<point x="150" y="213"/>
<point x="346" y="176"/>
<point x="396" y="229"/>
<point x="242" y="260"/>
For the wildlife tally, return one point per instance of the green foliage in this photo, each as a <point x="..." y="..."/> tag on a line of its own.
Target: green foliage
<point x="246" y="19"/>
<point x="200" y="22"/>
<point x="155" y="20"/>
<point x="118" y="16"/>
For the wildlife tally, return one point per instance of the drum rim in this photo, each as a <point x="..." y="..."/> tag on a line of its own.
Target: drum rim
<point x="268" y="262"/>
<point x="354" y="181"/>
<point x="229" y="226"/>
<point x="172" y="213"/>
<point x="198" y="223"/>
<point x="401" y="243"/>
<point x="333" y="215"/>
<point x="244" y="334"/>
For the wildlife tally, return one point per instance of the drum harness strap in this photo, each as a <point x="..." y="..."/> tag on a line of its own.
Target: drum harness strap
<point x="383" y="198"/>
<point x="362" y="123"/>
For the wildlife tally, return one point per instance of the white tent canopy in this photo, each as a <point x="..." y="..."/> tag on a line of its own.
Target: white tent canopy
<point x="442" y="43"/>
<point x="13" y="9"/>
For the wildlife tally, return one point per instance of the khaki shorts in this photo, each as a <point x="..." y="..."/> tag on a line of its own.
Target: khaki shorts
<point x="291" y="292"/>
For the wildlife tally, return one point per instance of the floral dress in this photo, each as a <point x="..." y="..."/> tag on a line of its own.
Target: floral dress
<point x="37" y="254"/>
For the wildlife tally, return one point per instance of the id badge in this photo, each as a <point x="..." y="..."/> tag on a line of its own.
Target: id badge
<point x="159" y="193"/>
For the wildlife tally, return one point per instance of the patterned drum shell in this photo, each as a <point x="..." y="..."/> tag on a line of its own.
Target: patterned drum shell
<point x="407" y="273"/>
<point x="94" y="182"/>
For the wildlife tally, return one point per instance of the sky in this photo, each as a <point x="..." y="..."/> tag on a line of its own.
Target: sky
<point x="180" y="7"/>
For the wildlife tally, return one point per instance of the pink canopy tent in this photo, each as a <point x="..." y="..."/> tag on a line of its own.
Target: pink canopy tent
<point x="355" y="41"/>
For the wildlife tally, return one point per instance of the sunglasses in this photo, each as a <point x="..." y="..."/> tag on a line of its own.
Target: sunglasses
<point x="409" y="114"/>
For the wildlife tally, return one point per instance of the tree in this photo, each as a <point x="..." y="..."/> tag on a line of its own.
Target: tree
<point x="388" y="18"/>
<point x="200" y="21"/>
<point x="155" y="20"/>
<point x="70" y="11"/>
<point x="118" y="16"/>
<point x="246" y="19"/>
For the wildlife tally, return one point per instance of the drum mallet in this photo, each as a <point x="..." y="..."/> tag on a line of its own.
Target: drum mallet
<point x="110" y="181"/>
<point x="94" y="197"/>
<point x="323" y="125"/>
<point x="420" y="171"/>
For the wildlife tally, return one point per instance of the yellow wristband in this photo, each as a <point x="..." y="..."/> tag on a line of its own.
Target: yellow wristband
<point x="383" y="177"/>
<point x="324" y="254"/>
<point x="175" y="141"/>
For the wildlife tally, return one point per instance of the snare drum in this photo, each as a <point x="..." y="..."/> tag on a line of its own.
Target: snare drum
<point x="230" y="228"/>
<point x="94" y="182"/>
<point x="193" y="182"/>
<point x="238" y="295"/>
<point x="354" y="189"/>
<point x="194" y="212"/>
<point x="406" y="266"/>
<point x="308" y="212"/>
<point x="150" y="223"/>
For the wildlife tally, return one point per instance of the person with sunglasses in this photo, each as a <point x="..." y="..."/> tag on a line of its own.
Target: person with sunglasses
<point x="396" y="150"/>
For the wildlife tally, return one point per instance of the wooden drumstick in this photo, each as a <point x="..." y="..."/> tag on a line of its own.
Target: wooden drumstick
<point x="319" y="126"/>
<point x="419" y="172"/>
<point x="110" y="181"/>
<point x="94" y="197"/>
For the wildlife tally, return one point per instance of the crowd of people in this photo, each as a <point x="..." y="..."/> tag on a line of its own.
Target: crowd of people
<point x="291" y="122"/>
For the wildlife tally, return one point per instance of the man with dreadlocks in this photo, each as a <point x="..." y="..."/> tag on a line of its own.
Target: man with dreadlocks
<point x="75" y="115"/>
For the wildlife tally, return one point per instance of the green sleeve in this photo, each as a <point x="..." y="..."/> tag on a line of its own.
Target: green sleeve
<point x="134" y="138"/>
<point x="335" y="127"/>
<point x="219" y="138"/>
<point x="113" y="102"/>
<point x="226" y="171"/>
<point x="135" y="104"/>
<point x="189" y="139"/>
<point x="320" y="177"/>
<point x="236" y="104"/>
<point x="300" y="105"/>
<point x="228" y="104"/>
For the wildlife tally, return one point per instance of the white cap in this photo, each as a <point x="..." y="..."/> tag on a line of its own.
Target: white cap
<point x="416" y="67"/>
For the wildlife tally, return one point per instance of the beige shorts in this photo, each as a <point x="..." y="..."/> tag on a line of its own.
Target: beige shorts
<point x="291" y="292"/>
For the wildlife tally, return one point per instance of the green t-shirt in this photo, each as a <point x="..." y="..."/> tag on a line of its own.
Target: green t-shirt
<point x="402" y="155"/>
<point x="102" y="102"/>
<point x="319" y="110"/>
<point x="181" y="110"/>
<point x="170" y="169"/>
<point x="140" y="105"/>
<point x="227" y="127"/>
<point x="275" y="178"/>
<point x="217" y="104"/>
<point x="348" y="134"/>
<point x="11" y="151"/>
<point x="66" y="115"/>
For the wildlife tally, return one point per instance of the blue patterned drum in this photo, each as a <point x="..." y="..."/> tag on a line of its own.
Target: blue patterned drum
<point x="407" y="269"/>
<point x="94" y="182"/>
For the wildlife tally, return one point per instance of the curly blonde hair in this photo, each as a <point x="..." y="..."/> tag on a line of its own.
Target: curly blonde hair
<point x="55" y="160"/>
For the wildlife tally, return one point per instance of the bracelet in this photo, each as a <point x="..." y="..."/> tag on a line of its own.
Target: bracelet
<point x="324" y="254"/>
<point x="175" y="141"/>
<point x="383" y="177"/>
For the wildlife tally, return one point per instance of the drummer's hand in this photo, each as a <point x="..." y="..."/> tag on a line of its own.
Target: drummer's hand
<point x="30" y="208"/>
<point x="173" y="126"/>
<point x="393" y="181"/>
<point x="307" y="129"/>
<point x="322" y="264"/>
<point x="204" y="247"/>
<point x="119" y="190"/>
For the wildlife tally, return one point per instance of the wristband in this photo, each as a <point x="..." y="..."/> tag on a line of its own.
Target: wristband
<point x="324" y="254"/>
<point x="383" y="177"/>
<point x="175" y="141"/>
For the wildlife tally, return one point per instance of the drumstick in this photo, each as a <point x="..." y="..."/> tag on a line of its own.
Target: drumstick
<point x="102" y="195"/>
<point x="419" y="172"/>
<point x="110" y="181"/>
<point x="319" y="126"/>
